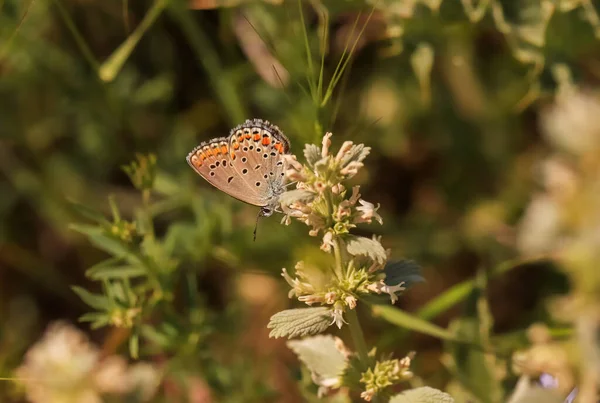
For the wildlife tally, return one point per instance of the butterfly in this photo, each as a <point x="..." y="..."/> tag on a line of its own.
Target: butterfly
<point x="247" y="165"/>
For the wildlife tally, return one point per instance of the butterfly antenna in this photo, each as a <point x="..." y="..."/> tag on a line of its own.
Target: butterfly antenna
<point x="256" y="225"/>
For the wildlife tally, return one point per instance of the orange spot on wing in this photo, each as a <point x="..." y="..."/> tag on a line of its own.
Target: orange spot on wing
<point x="279" y="147"/>
<point x="224" y="149"/>
<point x="232" y="155"/>
<point x="266" y="141"/>
<point x="236" y="146"/>
<point x="248" y="136"/>
<point x="241" y="138"/>
<point x="256" y="137"/>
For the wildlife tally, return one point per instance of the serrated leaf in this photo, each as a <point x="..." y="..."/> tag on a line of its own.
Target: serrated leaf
<point x="295" y="195"/>
<point x="358" y="245"/>
<point x="312" y="154"/>
<point x="96" y="301"/>
<point x="299" y="322"/>
<point x="321" y="357"/>
<point x="403" y="271"/>
<point x="405" y="320"/>
<point x="424" y="394"/>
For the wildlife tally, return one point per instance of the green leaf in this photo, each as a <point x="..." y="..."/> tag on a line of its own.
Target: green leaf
<point x="134" y="346"/>
<point x="321" y="357"/>
<point x="403" y="319"/>
<point x="312" y="153"/>
<point x="358" y="245"/>
<point x="96" y="301"/>
<point x="88" y="212"/>
<point x="97" y="319"/>
<point x="299" y="322"/>
<point x="98" y="238"/>
<point x="424" y="394"/>
<point x="115" y="272"/>
<point x="460" y="291"/>
<point x="295" y="195"/>
<point x="404" y="271"/>
<point x="474" y="368"/>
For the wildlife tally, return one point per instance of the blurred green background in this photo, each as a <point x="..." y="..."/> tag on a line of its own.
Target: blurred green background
<point x="446" y="93"/>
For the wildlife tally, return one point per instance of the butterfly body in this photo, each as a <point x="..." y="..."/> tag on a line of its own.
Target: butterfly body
<point x="247" y="165"/>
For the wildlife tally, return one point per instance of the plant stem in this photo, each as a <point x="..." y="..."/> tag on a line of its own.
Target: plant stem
<point x="357" y="337"/>
<point x="339" y="271"/>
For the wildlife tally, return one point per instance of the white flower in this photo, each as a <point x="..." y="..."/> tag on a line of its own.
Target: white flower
<point x="60" y="368"/>
<point x="337" y="189"/>
<point x="144" y="379"/>
<point x="573" y="122"/>
<point x="350" y="301"/>
<point x="540" y="227"/>
<point x="343" y="150"/>
<point x="368" y="394"/>
<point x="330" y="297"/>
<point x="355" y="195"/>
<point x="327" y="242"/>
<point x="64" y="367"/>
<point x="368" y="212"/>
<point x="352" y="168"/>
<point x="380" y="287"/>
<point x="338" y="317"/>
<point x="326" y="144"/>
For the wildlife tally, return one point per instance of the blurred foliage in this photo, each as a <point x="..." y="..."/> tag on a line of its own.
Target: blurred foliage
<point x="447" y="94"/>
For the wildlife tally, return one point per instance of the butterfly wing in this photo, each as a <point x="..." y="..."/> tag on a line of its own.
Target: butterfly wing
<point x="213" y="161"/>
<point x="258" y="147"/>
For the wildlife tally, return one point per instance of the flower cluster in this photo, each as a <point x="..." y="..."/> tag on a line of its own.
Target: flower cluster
<point x="384" y="374"/>
<point x="65" y="368"/>
<point x="320" y="199"/>
<point x="142" y="172"/>
<point x="323" y="203"/>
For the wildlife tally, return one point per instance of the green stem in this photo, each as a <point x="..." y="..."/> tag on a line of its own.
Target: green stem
<point x="357" y="337"/>
<point x="206" y="54"/>
<point x="81" y="43"/>
<point x="337" y="253"/>
<point x="111" y="67"/>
